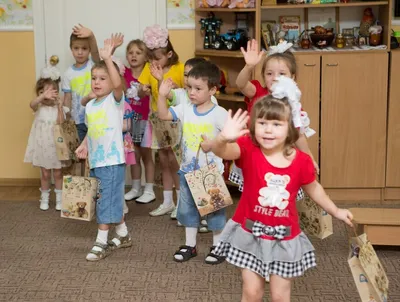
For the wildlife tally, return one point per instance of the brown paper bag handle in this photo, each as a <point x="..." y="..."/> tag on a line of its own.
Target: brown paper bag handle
<point x="197" y="158"/>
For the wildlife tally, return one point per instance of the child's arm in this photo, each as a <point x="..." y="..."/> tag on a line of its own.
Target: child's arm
<point x="317" y="193"/>
<point x="82" y="151"/>
<point x="302" y="145"/>
<point x="50" y="93"/>
<point x="86" y="99"/>
<point x="252" y="57"/>
<point x="84" y="32"/>
<point x="223" y="145"/>
<point x="60" y="117"/>
<point x="158" y="73"/>
<point x="163" y="92"/>
<point x="112" y="71"/>
<point x="68" y="99"/>
<point x="118" y="40"/>
<point x="127" y="124"/>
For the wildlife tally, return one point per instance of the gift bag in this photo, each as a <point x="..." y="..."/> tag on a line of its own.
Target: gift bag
<point x="368" y="273"/>
<point x="65" y="138"/>
<point x="79" y="197"/>
<point x="60" y="142"/>
<point x="208" y="188"/>
<point x="313" y="219"/>
<point x="164" y="133"/>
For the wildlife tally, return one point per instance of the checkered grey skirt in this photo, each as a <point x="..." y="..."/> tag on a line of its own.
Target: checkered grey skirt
<point x="286" y="258"/>
<point x="236" y="177"/>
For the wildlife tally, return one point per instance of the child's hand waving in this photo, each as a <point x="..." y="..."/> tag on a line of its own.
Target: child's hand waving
<point x="344" y="215"/>
<point x="156" y="71"/>
<point x="235" y="126"/>
<point x="117" y="39"/>
<point x="81" y="31"/>
<point x="50" y="94"/>
<point x="106" y="51"/>
<point x="251" y="55"/>
<point x="165" y="87"/>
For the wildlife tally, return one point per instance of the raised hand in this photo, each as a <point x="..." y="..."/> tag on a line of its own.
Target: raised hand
<point x="252" y="56"/>
<point x="165" y="87"/>
<point x="156" y="71"/>
<point x="117" y="39"/>
<point x="106" y="51"/>
<point x="235" y="126"/>
<point x="82" y="31"/>
<point x="344" y="215"/>
<point x="50" y="94"/>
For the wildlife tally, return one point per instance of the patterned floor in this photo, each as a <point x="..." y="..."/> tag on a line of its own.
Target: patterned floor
<point x="43" y="259"/>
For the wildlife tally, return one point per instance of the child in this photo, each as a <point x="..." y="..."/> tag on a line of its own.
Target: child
<point x="279" y="62"/>
<point x="104" y="145"/>
<point x="76" y="81"/>
<point x="41" y="149"/>
<point x="128" y="142"/>
<point x="198" y="116"/>
<point x="137" y="58"/>
<point x="162" y="55"/>
<point x="264" y="237"/>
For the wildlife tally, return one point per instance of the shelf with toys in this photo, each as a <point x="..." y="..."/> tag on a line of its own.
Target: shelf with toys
<point x="324" y="5"/>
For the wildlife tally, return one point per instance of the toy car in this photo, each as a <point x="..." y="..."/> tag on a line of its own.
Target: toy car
<point x="232" y="40"/>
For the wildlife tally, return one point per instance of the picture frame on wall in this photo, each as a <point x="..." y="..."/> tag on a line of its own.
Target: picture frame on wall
<point x="16" y="15"/>
<point x="180" y="14"/>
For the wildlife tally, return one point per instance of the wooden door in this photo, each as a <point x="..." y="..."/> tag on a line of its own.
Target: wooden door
<point x="308" y="78"/>
<point x="353" y="120"/>
<point x="54" y="20"/>
<point x="393" y="145"/>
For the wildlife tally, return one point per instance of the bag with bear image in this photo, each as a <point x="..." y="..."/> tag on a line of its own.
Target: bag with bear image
<point x="208" y="188"/>
<point x="79" y="196"/>
<point x="368" y="273"/>
<point x="313" y="219"/>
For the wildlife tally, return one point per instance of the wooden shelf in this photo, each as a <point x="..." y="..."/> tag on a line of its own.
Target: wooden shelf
<point x="228" y="10"/>
<point x="310" y="5"/>
<point x="229" y="97"/>
<point x="219" y="53"/>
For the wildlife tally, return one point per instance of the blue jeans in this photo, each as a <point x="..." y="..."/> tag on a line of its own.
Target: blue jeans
<point x="187" y="213"/>
<point x="82" y="131"/>
<point x="109" y="206"/>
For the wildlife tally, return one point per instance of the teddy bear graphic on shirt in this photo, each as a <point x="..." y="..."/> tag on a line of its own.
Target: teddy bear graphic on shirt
<point x="275" y="193"/>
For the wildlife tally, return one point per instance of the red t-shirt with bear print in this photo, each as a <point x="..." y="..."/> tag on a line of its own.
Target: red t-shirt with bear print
<point x="263" y="179"/>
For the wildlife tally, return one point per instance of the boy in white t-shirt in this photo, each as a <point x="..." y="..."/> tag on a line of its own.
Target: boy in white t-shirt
<point x="199" y="117"/>
<point x="104" y="145"/>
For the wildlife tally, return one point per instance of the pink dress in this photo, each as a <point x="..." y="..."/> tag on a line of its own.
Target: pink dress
<point x="128" y="142"/>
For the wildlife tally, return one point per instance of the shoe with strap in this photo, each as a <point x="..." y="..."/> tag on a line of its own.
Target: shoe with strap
<point x="147" y="197"/>
<point x="132" y="194"/>
<point x="162" y="210"/>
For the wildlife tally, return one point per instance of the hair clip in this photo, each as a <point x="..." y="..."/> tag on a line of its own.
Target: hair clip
<point x="280" y="48"/>
<point x="155" y="37"/>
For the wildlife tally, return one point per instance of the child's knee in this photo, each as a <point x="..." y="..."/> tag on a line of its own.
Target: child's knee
<point x="252" y="293"/>
<point x="46" y="174"/>
<point x="57" y="173"/>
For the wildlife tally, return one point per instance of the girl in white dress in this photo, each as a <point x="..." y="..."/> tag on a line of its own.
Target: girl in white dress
<point x="41" y="149"/>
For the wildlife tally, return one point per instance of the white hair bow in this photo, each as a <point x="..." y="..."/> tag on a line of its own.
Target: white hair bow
<point x="286" y="87"/>
<point x="50" y="72"/>
<point x="280" y="48"/>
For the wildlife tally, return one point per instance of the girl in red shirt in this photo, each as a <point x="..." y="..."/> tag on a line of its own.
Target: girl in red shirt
<point x="264" y="238"/>
<point x="279" y="62"/>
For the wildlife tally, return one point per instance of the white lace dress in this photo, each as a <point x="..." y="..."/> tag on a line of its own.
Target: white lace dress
<point x="41" y="149"/>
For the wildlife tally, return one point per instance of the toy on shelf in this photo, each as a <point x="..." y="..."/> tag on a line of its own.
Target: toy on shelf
<point x="214" y="3"/>
<point x="210" y="28"/>
<point x="232" y="40"/>
<point x="242" y="4"/>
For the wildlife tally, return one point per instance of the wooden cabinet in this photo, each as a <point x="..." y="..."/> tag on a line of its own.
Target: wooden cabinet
<point x="308" y="78"/>
<point x="393" y="150"/>
<point x="353" y="120"/>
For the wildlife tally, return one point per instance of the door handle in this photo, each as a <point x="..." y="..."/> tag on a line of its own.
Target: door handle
<point x="332" y="65"/>
<point x="309" y="65"/>
<point x="54" y="60"/>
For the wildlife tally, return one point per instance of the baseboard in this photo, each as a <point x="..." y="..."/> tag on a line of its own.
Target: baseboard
<point x="19" y="182"/>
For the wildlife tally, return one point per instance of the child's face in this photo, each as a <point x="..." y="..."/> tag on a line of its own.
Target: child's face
<point x="101" y="82"/>
<point x="271" y="134"/>
<point x="274" y="69"/>
<point x="198" y="91"/>
<point x="80" y="50"/>
<point x="161" y="58"/>
<point x="185" y="74"/>
<point x="135" y="56"/>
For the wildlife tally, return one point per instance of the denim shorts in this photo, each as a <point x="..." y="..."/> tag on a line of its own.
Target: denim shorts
<point x="189" y="216"/>
<point x="82" y="130"/>
<point x="109" y="206"/>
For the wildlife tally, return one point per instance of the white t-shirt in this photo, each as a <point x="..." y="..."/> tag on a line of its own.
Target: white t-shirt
<point x="105" y="143"/>
<point x="78" y="82"/>
<point x="180" y="95"/>
<point x="194" y="124"/>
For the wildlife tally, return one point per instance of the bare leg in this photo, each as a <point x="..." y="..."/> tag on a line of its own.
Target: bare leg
<point x="148" y="164"/>
<point x="253" y="286"/>
<point x="280" y="289"/>
<point x="45" y="178"/>
<point x="58" y="178"/>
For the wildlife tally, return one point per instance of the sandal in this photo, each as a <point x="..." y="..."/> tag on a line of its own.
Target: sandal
<point x="187" y="252"/>
<point x="120" y="242"/>
<point x="218" y="259"/>
<point x="101" y="251"/>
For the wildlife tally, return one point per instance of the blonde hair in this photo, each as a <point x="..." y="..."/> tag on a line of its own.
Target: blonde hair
<point x="174" y="59"/>
<point x="140" y="44"/>
<point x="286" y="57"/>
<point x="270" y="108"/>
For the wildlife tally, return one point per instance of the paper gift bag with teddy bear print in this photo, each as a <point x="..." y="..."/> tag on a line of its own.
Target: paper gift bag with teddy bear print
<point x="208" y="189"/>
<point x="368" y="273"/>
<point x="313" y="219"/>
<point x="79" y="197"/>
